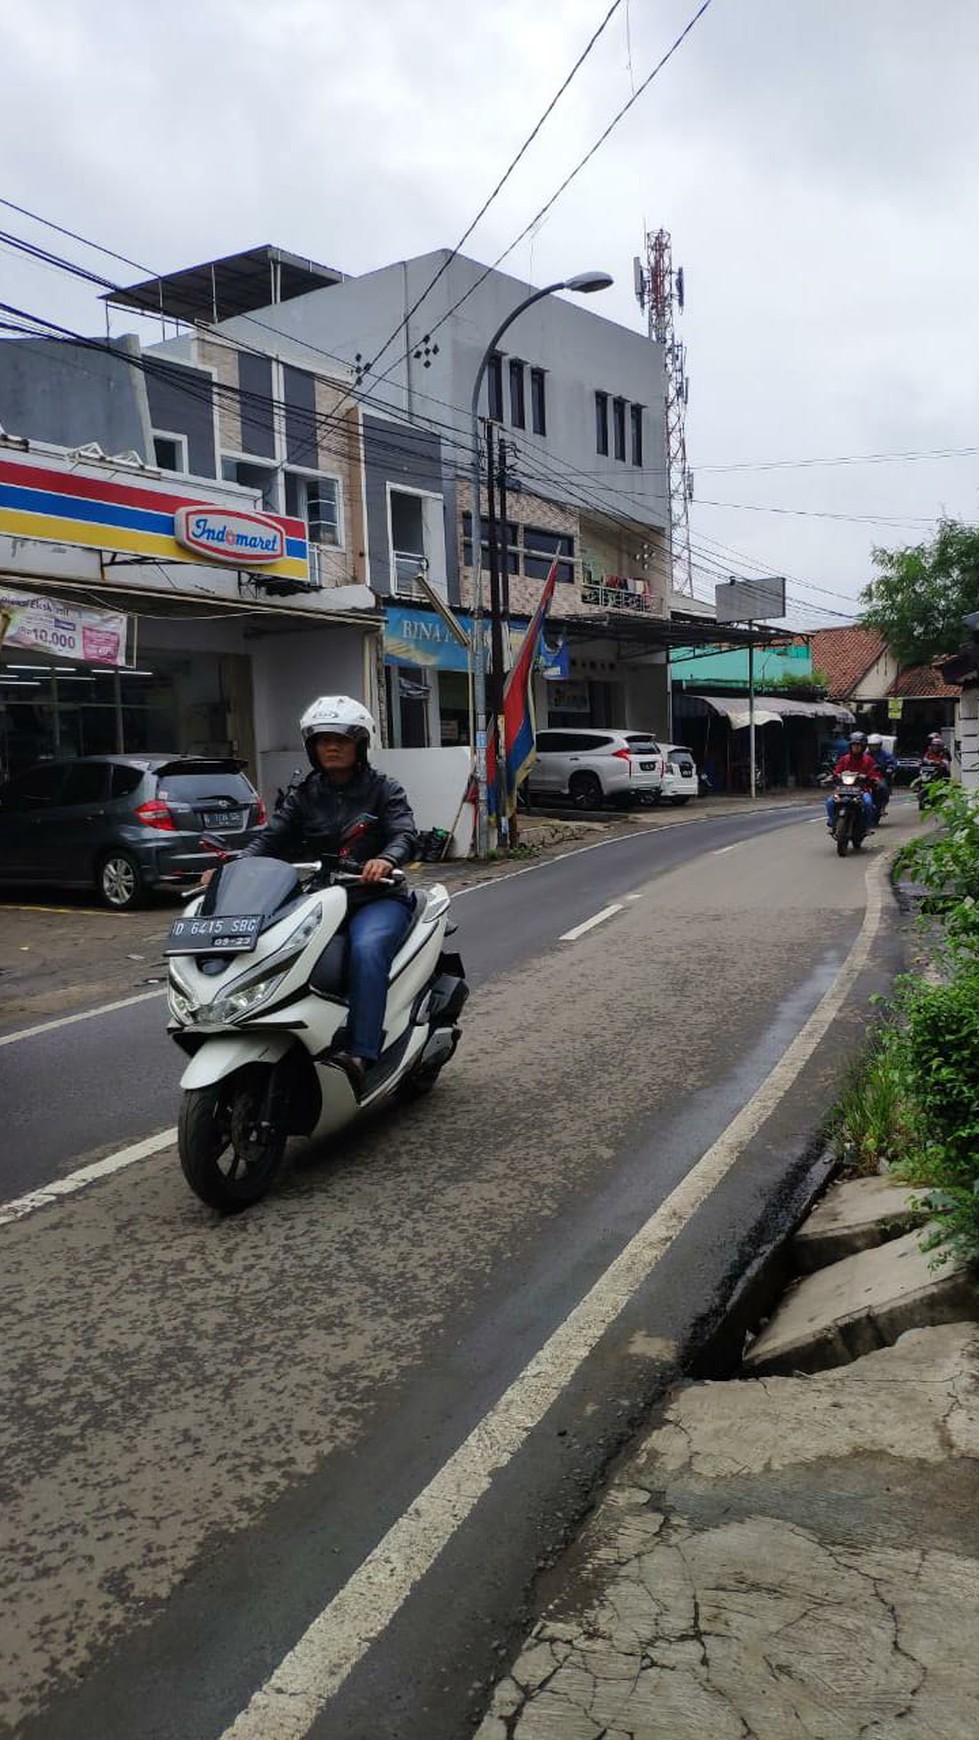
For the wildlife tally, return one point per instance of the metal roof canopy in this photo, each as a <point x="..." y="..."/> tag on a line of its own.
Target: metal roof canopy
<point x="769" y="709"/>
<point x="219" y="289"/>
<point x="150" y="602"/>
<point x="656" y="633"/>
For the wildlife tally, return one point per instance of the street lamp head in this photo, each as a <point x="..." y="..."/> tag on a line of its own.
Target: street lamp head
<point x="586" y="282"/>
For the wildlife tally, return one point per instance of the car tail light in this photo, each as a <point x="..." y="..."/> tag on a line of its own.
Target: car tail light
<point x="261" y="815"/>
<point x="621" y="755"/>
<point x="155" y="815"/>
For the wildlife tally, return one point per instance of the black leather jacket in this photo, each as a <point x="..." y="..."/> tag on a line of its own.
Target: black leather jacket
<point x="312" y="817"/>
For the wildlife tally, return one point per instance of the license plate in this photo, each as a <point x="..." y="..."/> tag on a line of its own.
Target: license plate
<point x="228" y="934"/>
<point x="647" y="767"/>
<point x="223" y="818"/>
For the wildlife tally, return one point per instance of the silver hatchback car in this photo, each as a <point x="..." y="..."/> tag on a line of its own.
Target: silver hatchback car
<point x="593" y="767"/>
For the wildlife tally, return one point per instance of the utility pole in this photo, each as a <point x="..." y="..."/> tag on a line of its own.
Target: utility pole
<point x="504" y="547"/>
<point x="751" y="708"/>
<point x="584" y="283"/>
<point x="496" y="642"/>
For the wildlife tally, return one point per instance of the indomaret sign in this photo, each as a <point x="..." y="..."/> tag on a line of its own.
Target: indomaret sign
<point x="230" y="537"/>
<point x="100" y="505"/>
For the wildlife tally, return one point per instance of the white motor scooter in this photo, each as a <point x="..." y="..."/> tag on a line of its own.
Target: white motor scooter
<point x="256" y="991"/>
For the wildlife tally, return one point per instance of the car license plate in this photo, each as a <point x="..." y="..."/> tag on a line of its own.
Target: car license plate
<point x="223" y="818"/>
<point x="230" y="933"/>
<point x="647" y="767"/>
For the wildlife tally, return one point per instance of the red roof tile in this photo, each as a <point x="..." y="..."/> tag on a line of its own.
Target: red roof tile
<point x="924" y="683"/>
<point x="844" y="656"/>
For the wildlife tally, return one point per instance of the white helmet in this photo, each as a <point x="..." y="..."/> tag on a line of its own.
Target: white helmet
<point x="875" y="740"/>
<point x="339" y="716"/>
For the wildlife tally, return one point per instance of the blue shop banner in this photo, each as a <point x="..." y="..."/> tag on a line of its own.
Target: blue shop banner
<point x="421" y="638"/>
<point x="554" y="662"/>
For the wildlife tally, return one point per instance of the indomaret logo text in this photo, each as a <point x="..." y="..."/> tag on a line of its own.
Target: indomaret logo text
<point x="229" y="537"/>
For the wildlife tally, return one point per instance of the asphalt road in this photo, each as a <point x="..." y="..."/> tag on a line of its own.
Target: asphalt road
<point x="78" y="1091"/>
<point x="210" y="1426"/>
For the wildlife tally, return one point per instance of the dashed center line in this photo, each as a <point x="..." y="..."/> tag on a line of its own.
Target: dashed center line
<point x="590" y="923"/>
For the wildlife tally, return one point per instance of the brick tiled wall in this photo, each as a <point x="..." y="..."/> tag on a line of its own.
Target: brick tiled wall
<point x="616" y="551"/>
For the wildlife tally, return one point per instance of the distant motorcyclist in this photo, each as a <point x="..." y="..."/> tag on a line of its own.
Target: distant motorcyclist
<point x="935" y="751"/>
<point x="883" y="757"/>
<point x="887" y="765"/>
<point x="856" y="760"/>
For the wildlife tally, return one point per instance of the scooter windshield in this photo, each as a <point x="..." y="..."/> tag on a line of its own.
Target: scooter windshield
<point x="251" y="885"/>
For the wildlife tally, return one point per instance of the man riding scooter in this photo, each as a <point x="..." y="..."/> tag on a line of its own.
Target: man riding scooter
<point x="887" y="765"/>
<point x="856" y="760"/>
<point x="337" y="734"/>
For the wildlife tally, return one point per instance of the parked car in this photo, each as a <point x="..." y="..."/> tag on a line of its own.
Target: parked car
<point x="593" y="768"/>
<point x="123" y="824"/>
<point x="681" y="781"/>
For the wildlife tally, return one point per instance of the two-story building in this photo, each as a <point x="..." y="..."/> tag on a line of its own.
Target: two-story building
<point x="217" y="656"/>
<point x="578" y="403"/>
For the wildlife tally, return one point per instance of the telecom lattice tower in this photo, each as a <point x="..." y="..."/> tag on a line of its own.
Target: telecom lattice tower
<point x="659" y="289"/>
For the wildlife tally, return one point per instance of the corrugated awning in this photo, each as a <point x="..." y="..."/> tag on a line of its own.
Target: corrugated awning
<point x="771" y="709"/>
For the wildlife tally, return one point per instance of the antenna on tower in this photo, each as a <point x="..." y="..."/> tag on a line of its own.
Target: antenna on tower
<point x="663" y="288"/>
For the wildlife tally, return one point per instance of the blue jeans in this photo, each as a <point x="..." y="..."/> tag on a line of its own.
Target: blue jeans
<point x="377" y="931"/>
<point x="868" y="807"/>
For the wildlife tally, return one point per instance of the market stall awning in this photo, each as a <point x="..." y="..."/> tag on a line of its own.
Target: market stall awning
<point x="771" y="709"/>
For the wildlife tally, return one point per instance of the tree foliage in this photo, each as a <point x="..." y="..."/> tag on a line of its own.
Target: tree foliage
<point x="921" y="593"/>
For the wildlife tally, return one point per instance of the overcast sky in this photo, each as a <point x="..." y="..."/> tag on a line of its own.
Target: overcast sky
<point x="814" y="160"/>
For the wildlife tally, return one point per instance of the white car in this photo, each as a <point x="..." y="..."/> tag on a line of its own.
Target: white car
<point x="593" y="768"/>
<point x="680" y="781"/>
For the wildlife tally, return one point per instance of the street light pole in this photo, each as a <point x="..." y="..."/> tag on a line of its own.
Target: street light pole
<point x="584" y="283"/>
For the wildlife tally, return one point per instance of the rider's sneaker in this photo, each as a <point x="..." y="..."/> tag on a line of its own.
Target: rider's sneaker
<point x="354" y="1070"/>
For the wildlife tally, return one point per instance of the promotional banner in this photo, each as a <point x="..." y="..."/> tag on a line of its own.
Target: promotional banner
<point x="68" y="631"/>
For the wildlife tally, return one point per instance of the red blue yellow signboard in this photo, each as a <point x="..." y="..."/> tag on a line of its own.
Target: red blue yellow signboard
<point x="89" y="506"/>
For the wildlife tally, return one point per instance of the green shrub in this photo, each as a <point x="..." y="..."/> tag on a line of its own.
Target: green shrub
<point x="942" y="1048"/>
<point x="877" y="1120"/>
<point x="946" y="864"/>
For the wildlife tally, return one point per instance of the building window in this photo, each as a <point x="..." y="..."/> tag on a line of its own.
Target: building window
<point x="494" y="387"/>
<point x="540" y="548"/>
<point x="636" y="415"/>
<point x="618" y="427"/>
<point x="538" y="409"/>
<point x="601" y="423"/>
<point x="512" y="541"/>
<point x="518" y="411"/>
<point x="317" y="501"/>
<point x="263" y="478"/>
<point x="170" y="452"/>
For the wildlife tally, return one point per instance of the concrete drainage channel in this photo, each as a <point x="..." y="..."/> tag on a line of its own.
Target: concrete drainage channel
<point x="793" y="1550"/>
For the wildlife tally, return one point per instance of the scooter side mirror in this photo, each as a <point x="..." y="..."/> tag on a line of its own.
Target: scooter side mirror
<point x="355" y="831"/>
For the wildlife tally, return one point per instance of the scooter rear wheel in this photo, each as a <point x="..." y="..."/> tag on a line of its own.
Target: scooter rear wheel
<point x="228" y="1154"/>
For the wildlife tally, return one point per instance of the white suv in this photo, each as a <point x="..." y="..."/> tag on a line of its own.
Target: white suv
<point x="681" y="782"/>
<point x="597" y="767"/>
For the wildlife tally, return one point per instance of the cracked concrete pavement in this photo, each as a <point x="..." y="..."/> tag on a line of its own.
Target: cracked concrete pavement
<point x="780" y="1559"/>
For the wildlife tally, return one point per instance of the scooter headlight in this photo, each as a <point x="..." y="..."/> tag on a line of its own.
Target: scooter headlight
<point x="241" y="1002"/>
<point x="249" y="993"/>
<point x="181" y="1006"/>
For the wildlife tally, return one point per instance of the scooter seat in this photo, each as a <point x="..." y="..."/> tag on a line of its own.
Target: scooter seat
<point x="329" y="976"/>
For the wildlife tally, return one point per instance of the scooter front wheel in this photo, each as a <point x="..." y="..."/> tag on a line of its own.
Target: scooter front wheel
<point x="843" y="827"/>
<point x="229" y="1153"/>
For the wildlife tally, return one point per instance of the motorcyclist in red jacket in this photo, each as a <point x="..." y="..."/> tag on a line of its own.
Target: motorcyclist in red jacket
<point x="857" y="759"/>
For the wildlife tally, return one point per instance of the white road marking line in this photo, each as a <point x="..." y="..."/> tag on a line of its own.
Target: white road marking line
<point x="59" y="1187"/>
<point x="291" y="1699"/>
<point x="590" y="923"/>
<point x="83" y="1015"/>
<point x="637" y="896"/>
<point x="720" y="850"/>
